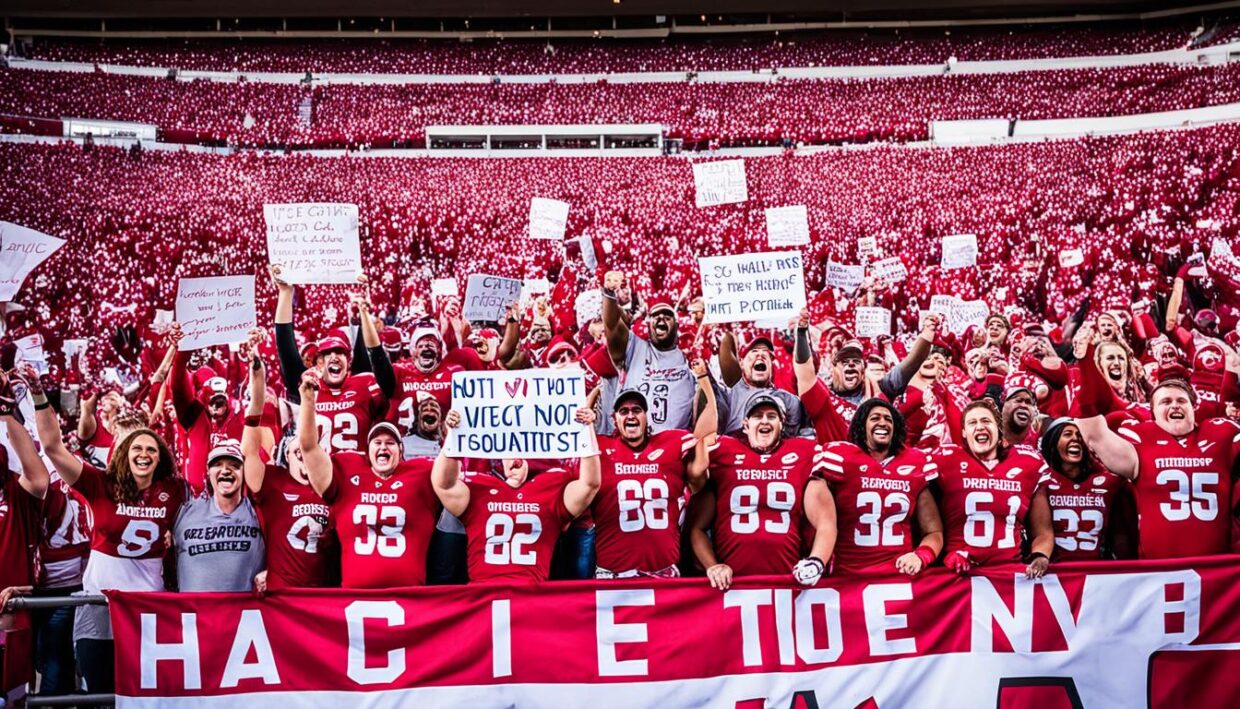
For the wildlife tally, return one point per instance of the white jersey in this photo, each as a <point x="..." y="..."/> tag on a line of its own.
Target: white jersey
<point x="664" y="378"/>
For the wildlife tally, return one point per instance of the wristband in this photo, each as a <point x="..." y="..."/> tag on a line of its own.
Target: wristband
<point x="926" y="554"/>
<point x="253" y="421"/>
<point x="608" y="293"/>
<point x="39" y="406"/>
<point x="702" y="376"/>
<point x="1037" y="555"/>
<point x="38" y="397"/>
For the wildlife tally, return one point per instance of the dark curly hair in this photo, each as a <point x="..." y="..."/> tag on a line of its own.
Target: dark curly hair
<point x="121" y="483"/>
<point x="856" y="429"/>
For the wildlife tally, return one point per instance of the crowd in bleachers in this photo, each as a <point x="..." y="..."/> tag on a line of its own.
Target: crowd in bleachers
<point x="795" y="111"/>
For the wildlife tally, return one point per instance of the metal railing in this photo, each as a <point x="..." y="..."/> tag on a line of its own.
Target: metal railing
<point x="25" y="603"/>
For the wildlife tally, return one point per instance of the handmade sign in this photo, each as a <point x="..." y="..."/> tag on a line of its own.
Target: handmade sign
<point x="520" y="414"/>
<point x="314" y="242"/>
<point x="215" y="311"/>
<point x="486" y="297"/>
<point x="747" y="287"/>
<point x="720" y="182"/>
<point x="548" y="218"/>
<point x="787" y="226"/>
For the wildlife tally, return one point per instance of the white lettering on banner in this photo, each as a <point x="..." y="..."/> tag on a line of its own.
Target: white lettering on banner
<point x="152" y="652"/>
<point x="251" y="633"/>
<point x="611" y="633"/>
<point x="804" y="638"/>
<point x="720" y="182"/>
<point x="787" y="226"/>
<point x="314" y="242"/>
<point x="215" y="311"/>
<point x="520" y="414"/>
<point x="548" y="218"/>
<point x="748" y="287"/>
<point x="959" y="251"/>
<point x="21" y="251"/>
<point x="1016" y="623"/>
<point x="749" y="600"/>
<point x="486" y="297"/>
<point x="891" y="269"/>
<point x="501" y="638"/>
<point x="872" y="322"/>
<point x="807" y="647"/>
<point x="356" y="614"/>
<point x="845" y="277"/>
<point x="878" y="623"/>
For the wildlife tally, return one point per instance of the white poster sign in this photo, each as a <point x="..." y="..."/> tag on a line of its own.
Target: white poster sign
<point x="444" y="287"/>
<point x="846" y="278"/>
<point x="548" y="218"/>
<point x="314" y="242"/>
<point x="966" y="314"/>
<point x="891" y="269"/>
<point x="21" y="251"/>
<point x="787" y="226"/>
<point x="959" y="251"/>
<point x="872" y="322"/>
<point x="867" y="246"/>
<point x="215" y="311"/>
<point x="527" y="413"/>
<point x="1071" y="257"/>
<point x="486" y="297"/>
<point x="747" y="287"/>
<point x="720" y="182"/>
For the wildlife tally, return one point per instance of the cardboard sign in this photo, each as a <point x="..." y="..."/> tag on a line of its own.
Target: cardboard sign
<point x="215" y="311"/>
<point x="21" y="251"/>
<point x="959" y="251"/>
<point x="966" y="314"/>
<point x="486" y="297"/>
<point x="846" y="278"/>
<point x="1071" y="257"/>
<point x="891" y="269"/>
<point x="548" y="218"/>
<point x="720" y="182"/>
<point x="519" y="414"/>
<point x="747" y="287"/>
<point x="787" y="226"/>
<point x="314" y="242"/>
<point x="872" y="322"/>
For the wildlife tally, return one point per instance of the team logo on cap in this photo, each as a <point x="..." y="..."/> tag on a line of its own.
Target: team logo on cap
<point x="356" y="480"/>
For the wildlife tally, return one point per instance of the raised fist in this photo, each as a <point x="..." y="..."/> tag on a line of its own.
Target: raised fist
<point x="613" y="280"/>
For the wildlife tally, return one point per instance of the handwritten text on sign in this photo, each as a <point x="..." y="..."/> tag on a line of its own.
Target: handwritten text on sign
<point x="744" y="287"/>
<point x="215" y="311"/>
<point x="548" y="218"/>
<point x="21" y="250"/>
<point x="891" y="269"/>
<point x="314" y="243"/>
<point x="521" y="414"/>
<point x="486" y="297"/>
<point x="787" y="226"/>
<point x="872" y="321"/>
<point x="845" y="277"/>
<point x="959" y="251"/>
<point x="720" y="182"/>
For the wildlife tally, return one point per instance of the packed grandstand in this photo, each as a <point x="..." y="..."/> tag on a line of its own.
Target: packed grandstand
<point x="1101" y="342"/>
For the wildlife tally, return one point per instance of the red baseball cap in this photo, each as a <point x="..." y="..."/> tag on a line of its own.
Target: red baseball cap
<point x="332" y="343"/>
<point x="660" y="302"/>
<point x="759" y="341"/>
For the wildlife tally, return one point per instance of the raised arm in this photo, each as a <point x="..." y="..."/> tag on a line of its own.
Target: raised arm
<point x="613" y="321"/>
<point x="729" y="362"/>
<point x="579" y="493"/>
<point x="896" y="381"/>
<point x="291" y="366"/>
<point x="255" y="467"/>
<point x="380" y="363"/>
<point x="67" y="465"/>
<point x="34" y="478"/>
<point x="452" y="492"/>
<point x="512" y="335"/>
<point x="87" y="426"/>
<point x="803" y="356"/>
<point x="318" y="463"/>
<point x="1113" y="450"/>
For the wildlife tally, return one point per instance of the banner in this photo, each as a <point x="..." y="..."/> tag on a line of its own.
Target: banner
<point x="891" y="269"/>
<point x="520" y="414"/>
<point x="313" y="242"/>
<point x="1103" y="634"/>
<point x="486" y="297"/>
<point x="215" y="311"/>
<point x="845" y="277"/>
<point x="548" y="218"/>
<point x="959" y="315"/>
<point x="21" y="251"/>
<point x="959" y="251"/>
<point x="720" y="182"/>
<point x="588" y="305"/>
<point x="872" y="322"/>
<point x="787" y="226"/>
<point x="745" y="287"/>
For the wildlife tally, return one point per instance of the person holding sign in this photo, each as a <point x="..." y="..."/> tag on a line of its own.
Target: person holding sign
<point x="638" y="508"/>
<point x="764" y="487"/>
<point x="512" y="517"/>
<point x="207" y="416"/>
<point x="347" y="404"/>
<point x="754" y="373"/>
<point x="384" y="509"/>
<point x="657" y="368"/>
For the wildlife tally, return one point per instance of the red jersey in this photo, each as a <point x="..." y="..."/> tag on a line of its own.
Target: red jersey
<point x="19" y="530"/>
<point x="295" y="523"/>
<point x="202" y="436"/>
<point x="64" y="539"/>
<point x="511" y="531"/>
<point x="984" y="509"/>
<point x="1183" y="488"/>
<point x="345" y="415"/>
<point x="874" y="504"/>
<point x="1081" y="512"/>
<point x="759" y="506"/>
<point x="130" y="530"/>
<point x="409" y="381"/>
<point x="637" y="511"/>
<point x="831" y="413"/>
<point x="384" y="526"/>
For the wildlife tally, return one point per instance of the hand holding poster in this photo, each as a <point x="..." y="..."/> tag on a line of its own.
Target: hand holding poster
<point x="486" y="297"/>
<point x="21" y="250"/>
<point x="959" y="251"/>
<point x="873" y="322"/>
<point x="967" y="313"/>
<point x="548" y="218"/>
<point x="787" y="226"/>
<point x="314" y="243"/>
<point x="720" y="182"/>
<point x="520" y="414"/>
<point x="891" y="269"/>
<point x="746" y="287"/>
<point x="215" y="311"/>
<point x="846" y="278"/>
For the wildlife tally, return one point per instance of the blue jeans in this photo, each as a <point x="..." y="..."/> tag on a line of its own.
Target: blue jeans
<point x="53" y="645"/>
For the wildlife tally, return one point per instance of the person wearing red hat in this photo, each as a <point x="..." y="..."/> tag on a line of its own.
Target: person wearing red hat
<point x="347" y="404"/>
<point x="207" y="417"/>
<point x="757" y="373"/>
<point x="384" y="508"/>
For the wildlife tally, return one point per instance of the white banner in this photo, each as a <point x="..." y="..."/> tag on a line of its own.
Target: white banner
<point x="959" y="251"/>
<point x="966" y="314"/>
<point x="746" y="287"/>
<point x="845" y="277"/>
<point x="1071" y="257"/>
<point x="486" y="297"/>
<point x="720" y="182"/>
<point x="787" y="226"/>
<point x="314" y="242"/>
<point x="548" y="218"/>
<point x="519" y="414"/>
<point x="872" y="322"/>
<point x="21" y="250"/>
<point x="215" y="311"/>
<point x="891" y="269"/>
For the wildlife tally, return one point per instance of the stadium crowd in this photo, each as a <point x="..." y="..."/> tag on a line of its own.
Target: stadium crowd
<point x="784" y="111"/>
<point x="312" y="453"/>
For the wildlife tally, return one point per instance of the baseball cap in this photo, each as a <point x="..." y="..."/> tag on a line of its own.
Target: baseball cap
<point x="312" y="347"/>
<point x="759" y="341"/>
<point x="332" y="343"/>
<point x="853" y="346"/>
<point x="1016" y="388"/>
<point x="422" y="331"/>
<point x="391" y="338"/>
<point x="559" y="344"/>
<point x="658" y="303"/>
<point x="213" y="387"/>
<point x="766" y="400"/>
<point x="627" y="394"/>
<point x="383" y="427"/>
<point x="226" y="449"/>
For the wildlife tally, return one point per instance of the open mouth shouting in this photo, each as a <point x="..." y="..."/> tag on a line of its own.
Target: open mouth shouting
<point x="143" y="464"/>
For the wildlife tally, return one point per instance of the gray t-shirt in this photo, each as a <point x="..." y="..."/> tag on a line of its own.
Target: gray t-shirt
<point x="733" y="401"/>
<point x="217" y="551"/>
<point x="665" y="380"/>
